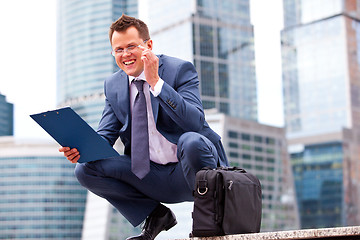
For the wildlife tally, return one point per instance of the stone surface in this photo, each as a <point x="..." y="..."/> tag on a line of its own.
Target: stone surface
<point x="321" y="233"/>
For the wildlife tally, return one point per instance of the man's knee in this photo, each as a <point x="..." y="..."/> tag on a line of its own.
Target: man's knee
<point x="197" y="150"/>
<point x="81" y="173"/>
<point x="191" y="143"/>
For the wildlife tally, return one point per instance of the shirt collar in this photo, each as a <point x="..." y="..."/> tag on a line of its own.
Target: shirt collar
<point x="141" y="76"/>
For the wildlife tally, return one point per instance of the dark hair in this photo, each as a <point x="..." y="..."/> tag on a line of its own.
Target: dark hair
<point x="124" y="22"/>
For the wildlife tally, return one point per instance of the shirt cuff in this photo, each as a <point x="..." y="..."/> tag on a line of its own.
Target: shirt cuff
<point x="157" y="88"/>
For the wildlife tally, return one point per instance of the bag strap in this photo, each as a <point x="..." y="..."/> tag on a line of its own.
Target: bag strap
<point x="234" y="169"/>
<point x="202" y="187"/>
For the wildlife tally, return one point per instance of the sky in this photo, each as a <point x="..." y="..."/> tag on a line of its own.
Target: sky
<point x="28" y="60"/>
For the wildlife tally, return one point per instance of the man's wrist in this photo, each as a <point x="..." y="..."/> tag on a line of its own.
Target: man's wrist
<point x="157" y="88"/>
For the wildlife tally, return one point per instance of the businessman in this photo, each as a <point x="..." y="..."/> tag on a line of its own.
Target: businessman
<point x="153" y="104"/>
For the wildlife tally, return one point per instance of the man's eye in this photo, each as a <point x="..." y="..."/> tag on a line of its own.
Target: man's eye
<point x="120" y="50"/>
<point x="131" y="47"/>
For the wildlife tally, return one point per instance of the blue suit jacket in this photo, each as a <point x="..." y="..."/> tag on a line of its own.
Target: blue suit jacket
<point x="177" y="109"/>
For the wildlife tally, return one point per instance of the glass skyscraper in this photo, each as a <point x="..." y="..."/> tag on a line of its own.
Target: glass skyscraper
<point x="6" y="117"/>
<point x="321" y="70"/>
<point x="40" y="196"/>
<point x="320" y="66"/>
<point x="217" y="37"/>
<point x="83" y="56"/>
<point x="319" y="182"/>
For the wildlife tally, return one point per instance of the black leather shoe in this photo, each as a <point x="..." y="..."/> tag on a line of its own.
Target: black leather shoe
<point x="162" y="218"/>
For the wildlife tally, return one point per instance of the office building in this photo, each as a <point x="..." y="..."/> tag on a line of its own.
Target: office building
<point x="217" y="37"/>
<point x="320" y="43"/>
<point x="6" y="117"/>
<point x="40" y="196"/>
<point x="261" y="150"/>
<point x="83" y="56"/>
<point x="325" y="170"/>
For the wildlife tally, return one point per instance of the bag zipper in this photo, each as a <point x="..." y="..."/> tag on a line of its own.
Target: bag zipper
<point x="230" y="184"/>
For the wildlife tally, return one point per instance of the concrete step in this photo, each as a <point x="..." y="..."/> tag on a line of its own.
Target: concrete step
<point x="348" y="233"/>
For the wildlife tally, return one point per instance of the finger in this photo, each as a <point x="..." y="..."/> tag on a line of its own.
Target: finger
<point x="70" y="152"/>
<point x="149" y="57"/>
<point x="74" y="152"/>
<point x="72" y="156"/>
<point x="64" y="149"/>
<point x="75" y="160"/>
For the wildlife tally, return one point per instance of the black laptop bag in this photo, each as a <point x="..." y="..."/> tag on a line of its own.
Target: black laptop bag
<point x="227" y="200"/>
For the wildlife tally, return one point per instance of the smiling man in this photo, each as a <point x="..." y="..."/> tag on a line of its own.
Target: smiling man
<point x="153" y="104"/>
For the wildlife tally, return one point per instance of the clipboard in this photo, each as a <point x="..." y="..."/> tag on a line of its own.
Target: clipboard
<point x="70" y="130"/>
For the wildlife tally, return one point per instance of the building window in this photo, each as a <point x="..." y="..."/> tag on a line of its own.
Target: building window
<point x="207" y="79"/>
<point x="206" y="41"/>
<point x="270" y="141"/>
<point x="233" y="145"/>
<point x="258" y="139"/>
<point x="269" y="150"/>
<point x="246" y="147"/>
<point x="234" y="154"/>
<point x="232" y="134"/>
<point x="208" y="104"/>
<point x="224" y="108"/>
<point x="223" y="81"/>
<point x="245" y="137"/>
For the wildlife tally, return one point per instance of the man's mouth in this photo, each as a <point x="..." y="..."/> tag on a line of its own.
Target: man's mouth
<point x="129" y="62"/>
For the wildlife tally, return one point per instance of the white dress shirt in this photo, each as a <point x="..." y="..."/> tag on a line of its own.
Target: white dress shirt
<point x="161" y="150"/>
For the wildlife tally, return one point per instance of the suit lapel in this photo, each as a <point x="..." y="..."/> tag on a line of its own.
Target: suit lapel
<point x="124" y="97"/>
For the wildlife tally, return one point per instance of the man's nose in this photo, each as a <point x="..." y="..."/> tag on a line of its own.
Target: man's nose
<point x="126" y="53"/>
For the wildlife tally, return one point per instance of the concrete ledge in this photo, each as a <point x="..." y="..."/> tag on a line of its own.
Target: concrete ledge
<point x="321" y="233"/>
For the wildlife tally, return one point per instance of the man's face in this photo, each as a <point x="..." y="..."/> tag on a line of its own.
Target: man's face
<point x="130" y="62"/>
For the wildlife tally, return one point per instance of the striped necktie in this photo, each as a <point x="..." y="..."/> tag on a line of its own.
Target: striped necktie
<point x="140" y="157"/>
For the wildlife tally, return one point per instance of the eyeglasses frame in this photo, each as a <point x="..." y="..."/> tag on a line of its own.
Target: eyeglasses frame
<point x="129" y="49"/>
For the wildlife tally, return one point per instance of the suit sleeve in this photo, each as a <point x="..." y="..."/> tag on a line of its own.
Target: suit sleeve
<point x="109" y="125"/>
<point x="182" y="102"/>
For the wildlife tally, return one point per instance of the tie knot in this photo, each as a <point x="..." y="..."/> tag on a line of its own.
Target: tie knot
<point x="139" y="84"/>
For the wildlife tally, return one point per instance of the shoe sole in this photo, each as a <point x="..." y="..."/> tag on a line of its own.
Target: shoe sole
<point x="170" y="225"/>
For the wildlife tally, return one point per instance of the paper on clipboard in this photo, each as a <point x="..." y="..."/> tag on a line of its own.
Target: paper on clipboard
<point x="70" y="130"/>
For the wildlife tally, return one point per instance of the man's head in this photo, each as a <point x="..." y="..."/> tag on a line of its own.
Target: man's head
<point x="124" y="22"/>
<point x="126" y="34"/>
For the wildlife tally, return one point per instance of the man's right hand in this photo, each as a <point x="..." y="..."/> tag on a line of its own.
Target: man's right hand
<point x="72" y="155"/>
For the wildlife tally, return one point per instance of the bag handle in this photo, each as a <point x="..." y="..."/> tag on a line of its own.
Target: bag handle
<point x="234" y="169"/>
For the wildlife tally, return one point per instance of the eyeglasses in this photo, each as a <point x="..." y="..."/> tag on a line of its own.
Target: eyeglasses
<point x="129" y="49"/>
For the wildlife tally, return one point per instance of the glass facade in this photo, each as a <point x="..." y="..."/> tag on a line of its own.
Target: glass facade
<point x="217" y="37"/>
<point x="321" y="71"/>
<point x="41" y="198"/>
<point x="6" y="117"/>
<point x="318" y="176"/>
<point x="315" y="98"/>
<point x="224" y="56"/>
<point x="307" y="11"/>
<point x="83" y="57"/>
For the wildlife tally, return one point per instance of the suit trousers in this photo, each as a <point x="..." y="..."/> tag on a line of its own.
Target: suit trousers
<point x="135" y="199"/>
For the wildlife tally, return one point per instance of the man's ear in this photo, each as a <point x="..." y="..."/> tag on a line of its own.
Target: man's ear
<point x="149" y="44"/>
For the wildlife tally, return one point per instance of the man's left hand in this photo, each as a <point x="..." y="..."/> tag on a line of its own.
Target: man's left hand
<point x="151" y="66"/>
